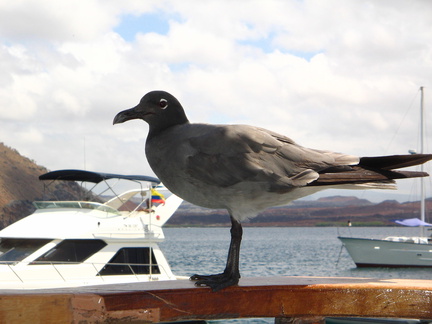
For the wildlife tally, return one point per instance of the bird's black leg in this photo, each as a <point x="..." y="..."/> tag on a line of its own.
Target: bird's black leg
<point x="231" y="274"/>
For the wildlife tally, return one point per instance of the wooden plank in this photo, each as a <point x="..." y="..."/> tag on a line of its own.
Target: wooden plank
<point x="35" y="308"/>
<point x="280" y="297"/>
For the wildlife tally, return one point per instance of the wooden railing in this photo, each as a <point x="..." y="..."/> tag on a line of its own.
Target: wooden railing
<point x="306" y="299"/>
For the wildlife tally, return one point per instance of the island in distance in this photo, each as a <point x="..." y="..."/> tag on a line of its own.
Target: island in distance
<point x="328" y="211"/>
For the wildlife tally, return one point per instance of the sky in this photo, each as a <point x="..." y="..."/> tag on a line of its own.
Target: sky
<point x="340" y="75"/>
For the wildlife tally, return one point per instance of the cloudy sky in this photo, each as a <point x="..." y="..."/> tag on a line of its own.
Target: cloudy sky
<point x="338" y="75"/>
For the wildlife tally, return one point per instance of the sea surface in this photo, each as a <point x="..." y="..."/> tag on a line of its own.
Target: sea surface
<point x="279" y="251"/>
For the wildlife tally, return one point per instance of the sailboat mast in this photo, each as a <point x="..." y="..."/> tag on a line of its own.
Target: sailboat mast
<point x="422" y="131"/>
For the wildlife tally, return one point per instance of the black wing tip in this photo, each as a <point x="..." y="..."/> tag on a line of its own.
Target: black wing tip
<point x="391" y="162"/>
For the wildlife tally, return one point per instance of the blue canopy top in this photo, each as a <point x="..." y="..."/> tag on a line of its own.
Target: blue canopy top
<point x="412" y="222"/>
<point x="95" y="177"/>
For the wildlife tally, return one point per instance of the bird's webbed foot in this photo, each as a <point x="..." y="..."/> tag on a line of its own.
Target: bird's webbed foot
<point x="197" y="277"/>
<point x="216" y="282"/>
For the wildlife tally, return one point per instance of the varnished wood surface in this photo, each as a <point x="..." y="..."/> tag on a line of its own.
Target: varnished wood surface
<point x="299" y="297"/>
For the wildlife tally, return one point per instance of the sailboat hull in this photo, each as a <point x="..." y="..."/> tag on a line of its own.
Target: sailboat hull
<point x="383" y="253"/>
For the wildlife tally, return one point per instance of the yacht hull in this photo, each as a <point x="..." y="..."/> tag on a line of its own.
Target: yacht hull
<point x="383" y="253"/>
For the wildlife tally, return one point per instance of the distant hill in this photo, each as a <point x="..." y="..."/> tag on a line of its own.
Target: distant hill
<point x="328" y="211"/>
<point x="20" y="186"/>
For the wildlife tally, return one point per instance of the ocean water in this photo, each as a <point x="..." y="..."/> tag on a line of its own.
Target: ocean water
<point x="276" y="251"/>
<point x="279" y="251"/>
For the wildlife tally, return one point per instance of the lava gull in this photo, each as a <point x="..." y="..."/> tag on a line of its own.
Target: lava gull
<point x="245" y="169"/>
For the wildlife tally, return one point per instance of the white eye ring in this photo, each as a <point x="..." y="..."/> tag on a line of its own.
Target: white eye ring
<point x="163" y="103"/>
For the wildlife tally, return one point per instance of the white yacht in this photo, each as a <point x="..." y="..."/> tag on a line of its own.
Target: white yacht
<point x="77" y="243"/>
<point x="392" y="251"/>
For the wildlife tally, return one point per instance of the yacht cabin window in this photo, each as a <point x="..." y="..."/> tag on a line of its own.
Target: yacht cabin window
<point x="129" y="261"/>
<point x="17" y="249"/>
<point x="71" y="251"/>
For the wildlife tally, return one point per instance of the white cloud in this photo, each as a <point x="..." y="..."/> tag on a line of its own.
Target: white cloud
<point x="58" y="21"/>
<point x="336" y="75"/>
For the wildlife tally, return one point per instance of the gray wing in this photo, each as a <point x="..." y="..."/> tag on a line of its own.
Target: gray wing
<point x="229" y="154"/>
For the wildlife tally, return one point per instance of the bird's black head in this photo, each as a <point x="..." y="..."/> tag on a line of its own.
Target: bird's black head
<point x="159" y="109"/>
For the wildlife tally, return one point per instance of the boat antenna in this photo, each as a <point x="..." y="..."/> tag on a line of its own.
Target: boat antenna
<point x="84" y="153"/>
<point x="422" y="185"/>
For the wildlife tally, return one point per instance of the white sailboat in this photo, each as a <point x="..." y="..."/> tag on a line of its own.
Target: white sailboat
<point x="395" y="251"/>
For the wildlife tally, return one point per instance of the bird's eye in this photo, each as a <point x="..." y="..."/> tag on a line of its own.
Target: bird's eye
<point x="163" y="103"/>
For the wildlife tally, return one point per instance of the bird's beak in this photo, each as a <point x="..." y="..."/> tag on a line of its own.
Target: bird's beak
<point x="125" y="115"/>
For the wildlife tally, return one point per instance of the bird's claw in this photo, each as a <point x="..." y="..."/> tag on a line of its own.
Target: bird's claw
<point x="197" y="277"/>
<point x="215" y="282"/>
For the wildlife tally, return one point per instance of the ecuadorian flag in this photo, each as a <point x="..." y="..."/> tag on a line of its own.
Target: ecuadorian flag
<point x="157" y="197"/>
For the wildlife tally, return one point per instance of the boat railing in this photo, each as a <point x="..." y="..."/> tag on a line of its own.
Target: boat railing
<point x="129" y="235"/>
<point x="405" y="239"/>
<point x="75" y="205"/>
<point x="90" y="270"/>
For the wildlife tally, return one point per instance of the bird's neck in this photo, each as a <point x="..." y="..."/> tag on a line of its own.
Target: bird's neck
<point x="156" y="130"/>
